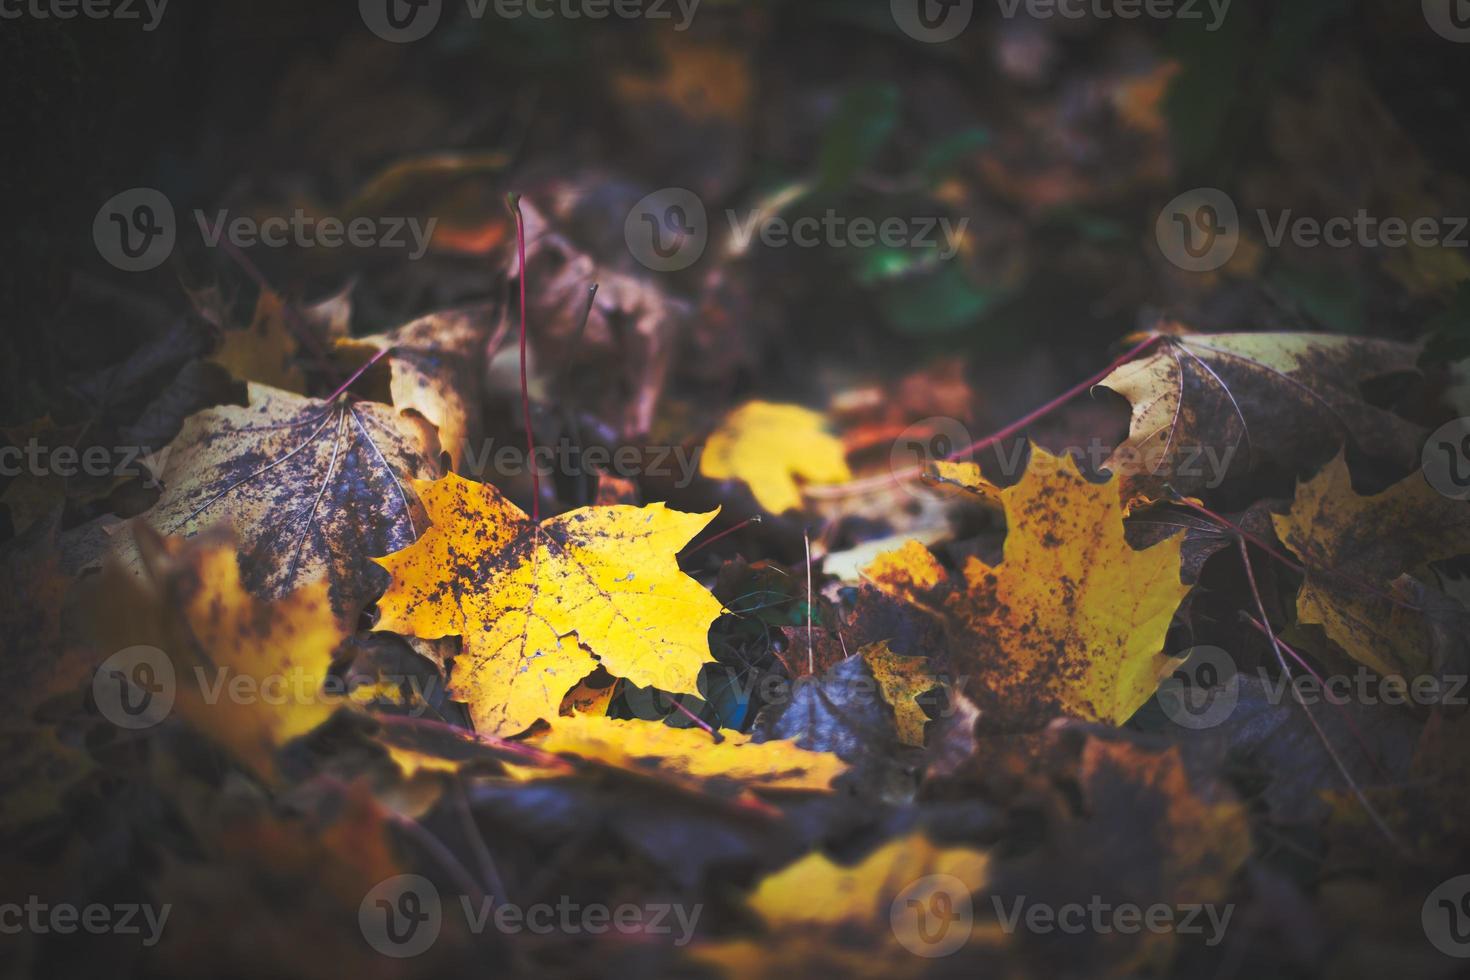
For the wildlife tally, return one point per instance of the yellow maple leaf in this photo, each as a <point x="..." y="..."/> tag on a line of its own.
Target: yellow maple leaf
<point x="1355" y="547"/>
<point x="769" y="446"/>
<point x="816" y="910"/>
<point x="689" y="754"/>
<point x="902" y="680"/>
<point x="1073" y="618"/>
<point x="535" y="602"/>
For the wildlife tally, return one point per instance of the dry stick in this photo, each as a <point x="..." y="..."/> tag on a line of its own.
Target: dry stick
<point x="1265" y="546"/>
<point x="1346" y="715"/>
<point x="725" y="533"/>
<point x="513" y="201"/>
<point x="699" y="721"/>
<point x="857" y="487"/>
<point x="811" y="657"/>
<point x="359" y="373"/>
<point x="1392" y="838"/>
<point x="489" y="872"/>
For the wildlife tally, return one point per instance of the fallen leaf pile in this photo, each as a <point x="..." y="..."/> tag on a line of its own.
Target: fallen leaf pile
<point x="1022" y="604"/>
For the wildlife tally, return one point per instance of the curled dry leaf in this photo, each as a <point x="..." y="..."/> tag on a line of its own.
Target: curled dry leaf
<point x="1355" y="548"/>
<point x="434" y="366"/>
<point x="1072" y="621"/>
<point x="535" y="602"/>
<point x="769" y="447"/>
<point x="313" y="489"/>
<point x="1206" y="406"/>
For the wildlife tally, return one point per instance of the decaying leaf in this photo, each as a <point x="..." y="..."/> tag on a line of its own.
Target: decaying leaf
<point x="539" y="606"/>
<point x="1208" y="406"/>
<point x="902" y="680"/>
<point x="1355" y="548"/>
<point x="690" y="755"/>
<point x="1072" y="620"/>
<point x="265" y="352"/>
<point x="769" y="447"/>
<point x="314" y="490"/>
<point x="250" y="673"/>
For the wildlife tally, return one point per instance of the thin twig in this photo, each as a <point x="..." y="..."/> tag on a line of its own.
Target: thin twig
<point x="1389" y="835"/>
<point x="858" y="487"/>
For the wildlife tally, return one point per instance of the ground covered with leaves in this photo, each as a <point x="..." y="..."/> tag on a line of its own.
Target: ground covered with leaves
<point x="776" y="492"/>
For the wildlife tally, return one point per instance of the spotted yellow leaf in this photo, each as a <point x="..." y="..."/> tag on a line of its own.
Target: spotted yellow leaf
<point x="540" y="605"/>
<point x="1073" y="620"/>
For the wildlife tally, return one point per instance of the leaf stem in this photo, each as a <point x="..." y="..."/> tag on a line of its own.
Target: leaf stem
<point x="513" y="201"/>
<point x="859" y="487"/>
<point x="1245" y="559"/>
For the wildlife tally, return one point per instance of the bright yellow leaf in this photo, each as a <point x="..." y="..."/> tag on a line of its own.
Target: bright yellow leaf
<point x="540" y="605"/>
<point x="770" y="447"/>
<point x="684" y="754"/>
